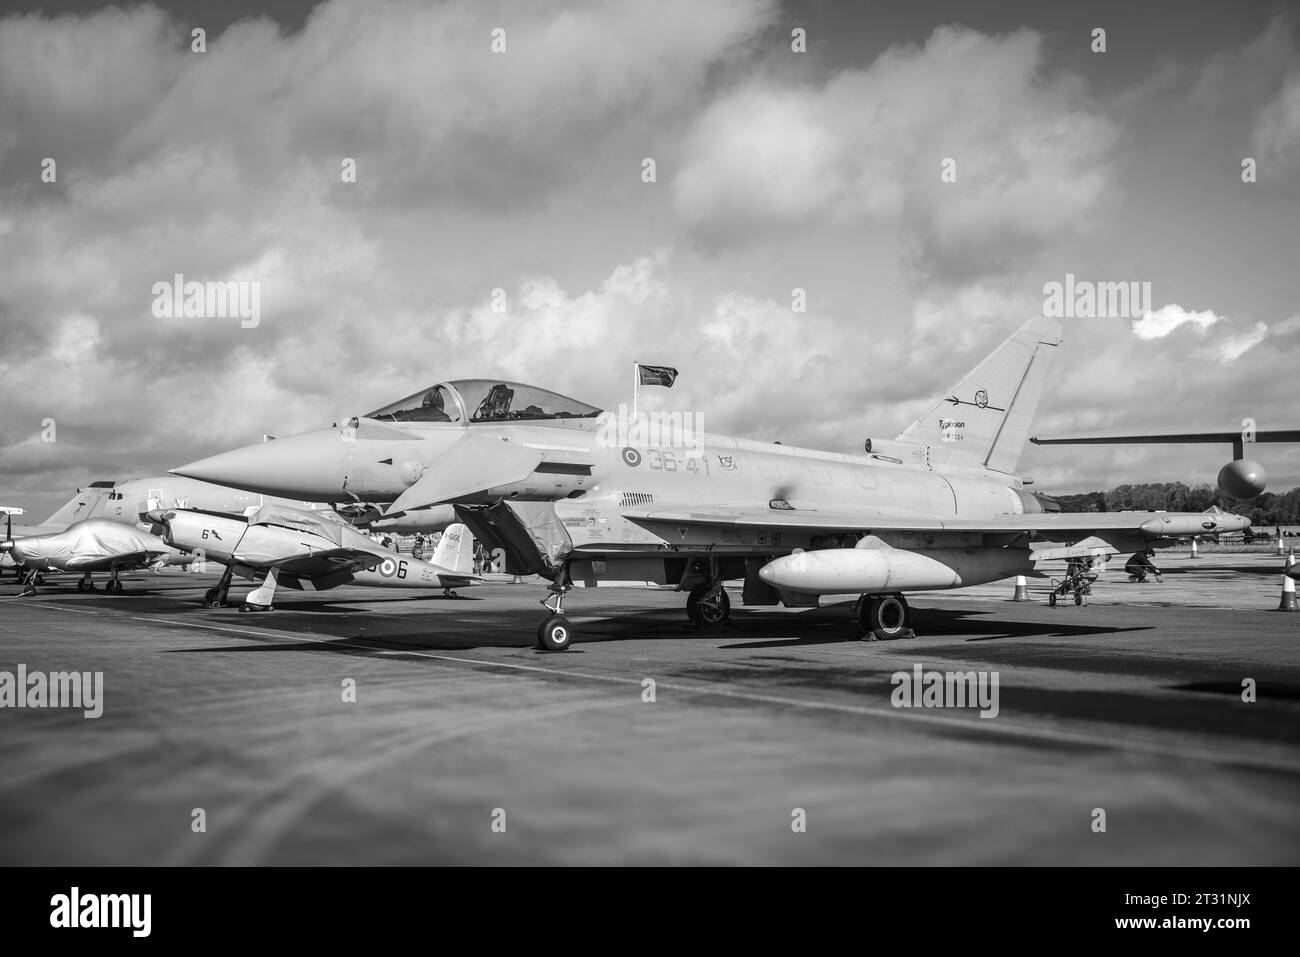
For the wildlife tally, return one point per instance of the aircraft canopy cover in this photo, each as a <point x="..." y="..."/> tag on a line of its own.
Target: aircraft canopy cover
<point x="315" y="523"/>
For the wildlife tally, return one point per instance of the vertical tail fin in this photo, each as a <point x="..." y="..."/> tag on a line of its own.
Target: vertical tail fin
<point x="455" y="551"/>
<point x="984" y="420"/>
<point x="83" y="504"/>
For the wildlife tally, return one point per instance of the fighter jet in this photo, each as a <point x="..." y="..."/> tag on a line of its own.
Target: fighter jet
<point x="1241" y="479"/>
<point x="294" y="547"/>
<point x="93" y="545"/>
<point x="566" y="492"/>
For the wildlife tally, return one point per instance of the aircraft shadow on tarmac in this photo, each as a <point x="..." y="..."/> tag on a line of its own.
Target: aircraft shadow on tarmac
<point x="351" y="607"/>
<point x="929" y="622"/>
<point x="829" y="625"/>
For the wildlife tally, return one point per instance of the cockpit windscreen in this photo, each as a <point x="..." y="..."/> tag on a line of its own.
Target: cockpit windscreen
<point x="427" y="405"/>
<point x="487" y="400"/>
<point x="483" y="400"/>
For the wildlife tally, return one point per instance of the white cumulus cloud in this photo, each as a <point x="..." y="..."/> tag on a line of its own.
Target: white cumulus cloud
<point x="1161" y="322"/>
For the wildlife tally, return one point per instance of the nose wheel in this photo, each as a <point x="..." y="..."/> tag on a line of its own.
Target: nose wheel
<point x="555" y="633"/>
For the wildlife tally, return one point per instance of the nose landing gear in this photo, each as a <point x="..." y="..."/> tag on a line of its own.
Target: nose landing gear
<point x="555" y="633"/>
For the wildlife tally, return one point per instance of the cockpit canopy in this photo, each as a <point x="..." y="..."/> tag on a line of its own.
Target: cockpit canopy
<point x="483" y="400"/>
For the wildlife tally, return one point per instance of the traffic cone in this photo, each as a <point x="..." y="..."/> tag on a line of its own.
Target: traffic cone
<point x="1281" y="545"/>
<point x="1022" y="589"/>
<point x="1288" y="594"/>
<point x="1290" y="558"/>
<point x="1194" y="548"/>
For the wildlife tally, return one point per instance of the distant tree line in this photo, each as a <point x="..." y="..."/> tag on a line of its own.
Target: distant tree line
<point x="1271" y="508"/>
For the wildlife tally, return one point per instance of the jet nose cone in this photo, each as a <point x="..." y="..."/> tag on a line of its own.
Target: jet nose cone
<point x="311" y="466"/>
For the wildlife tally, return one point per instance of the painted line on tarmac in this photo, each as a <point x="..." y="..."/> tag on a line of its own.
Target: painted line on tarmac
<point x="1056" y="735"/>
<point x="75" y="611"/>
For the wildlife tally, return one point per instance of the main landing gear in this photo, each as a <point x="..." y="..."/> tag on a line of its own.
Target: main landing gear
<point x="708" y="605"/>
<point x="87" y="583"/>
<point x="885" y="617"/>
<point x="555" y="633"/>
<point x="216" y="597"/>
<point x="30" y="581"/>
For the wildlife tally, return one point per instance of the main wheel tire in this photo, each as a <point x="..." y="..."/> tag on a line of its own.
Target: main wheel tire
<point x="885" y="617"/>
<point x="212" y="598"/>
<point x="707" y="607"/>
<point x="83" y="585"/>
<point x="693" y="603"/>
<point x="555" y="634"/>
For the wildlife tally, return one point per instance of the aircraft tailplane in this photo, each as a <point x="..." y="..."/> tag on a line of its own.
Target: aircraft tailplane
<point x="984" y="420"/>
<point x="455" y="551"/>
<point x="82" y="505"/>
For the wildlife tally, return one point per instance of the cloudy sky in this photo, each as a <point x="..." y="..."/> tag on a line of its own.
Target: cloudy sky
<point x="522" y="171"/>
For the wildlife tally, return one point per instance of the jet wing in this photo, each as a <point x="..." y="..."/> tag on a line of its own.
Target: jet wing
<point x="1053" y="526"/>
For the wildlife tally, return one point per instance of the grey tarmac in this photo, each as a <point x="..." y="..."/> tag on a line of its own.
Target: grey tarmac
<point x="1131" y="703"/>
